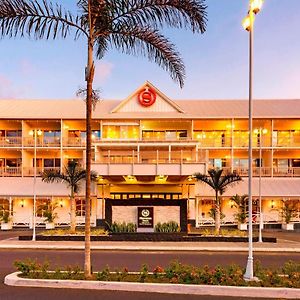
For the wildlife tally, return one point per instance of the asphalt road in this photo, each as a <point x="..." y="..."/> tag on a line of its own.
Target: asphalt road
<point x="118" y="259"/>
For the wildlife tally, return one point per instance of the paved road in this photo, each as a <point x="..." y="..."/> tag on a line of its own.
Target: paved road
<point x="117" y="259"/>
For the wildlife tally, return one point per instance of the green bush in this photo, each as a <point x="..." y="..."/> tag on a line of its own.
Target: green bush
<point x="175" y="272"/>
<point x="121" y="227"/>
<point x="167" y="227"/>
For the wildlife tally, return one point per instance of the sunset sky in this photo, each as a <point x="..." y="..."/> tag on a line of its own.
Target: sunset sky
<point x="216" y="62"/>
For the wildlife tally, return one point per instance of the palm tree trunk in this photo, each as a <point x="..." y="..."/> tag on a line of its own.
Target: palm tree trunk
<point x="217" y="215"/>
<point x="73" y="214"/>
<point x="90" y="75"/>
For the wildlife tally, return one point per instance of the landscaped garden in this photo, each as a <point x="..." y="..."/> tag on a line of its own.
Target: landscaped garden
<point x="177" y="273"/>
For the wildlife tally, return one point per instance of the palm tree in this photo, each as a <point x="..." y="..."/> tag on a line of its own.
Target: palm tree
<point x="72" y="176"/>
<point x="218" y="183"/>
<point x="132" y="27"/>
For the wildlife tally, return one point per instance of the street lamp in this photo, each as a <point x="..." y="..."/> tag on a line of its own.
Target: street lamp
<point x="260" y="132"/>
<point x="34" y="133"/>
<point x="248" y="24"/>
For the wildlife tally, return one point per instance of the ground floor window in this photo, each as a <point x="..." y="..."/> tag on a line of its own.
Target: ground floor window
<point x="80" y="207"/>
<point x="4" y="205"/>
<point x="125" y="196"/>
<point x="41" y="206"/>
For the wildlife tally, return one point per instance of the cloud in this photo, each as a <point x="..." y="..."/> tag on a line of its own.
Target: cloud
<point x="103" y="71"/>
<point x="7" y="90"/>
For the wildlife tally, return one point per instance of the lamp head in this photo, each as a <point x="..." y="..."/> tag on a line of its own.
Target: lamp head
<point x="246" y="23"/>
<point x="256" y="5"/>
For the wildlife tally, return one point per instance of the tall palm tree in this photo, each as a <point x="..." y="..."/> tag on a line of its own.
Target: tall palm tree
<point x="72" y="176"/>
<point x="218" y="183"/>
<point x="130" y="26"/>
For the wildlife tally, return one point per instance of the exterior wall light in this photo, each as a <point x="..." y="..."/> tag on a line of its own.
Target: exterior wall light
<point x="22" y="202"/>
<point x="272" y="204"/>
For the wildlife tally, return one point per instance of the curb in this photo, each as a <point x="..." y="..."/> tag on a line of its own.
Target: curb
<point x="147" y="248"/>
<point x="164" y="288"/>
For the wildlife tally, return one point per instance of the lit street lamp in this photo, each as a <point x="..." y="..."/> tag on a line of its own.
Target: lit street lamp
<point x="34" y="133"/>
<point x="248" y="24"/>
<point x="260" y="132"/>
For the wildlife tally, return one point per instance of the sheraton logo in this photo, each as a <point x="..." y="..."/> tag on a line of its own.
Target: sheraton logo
<point x="147" y="97"/>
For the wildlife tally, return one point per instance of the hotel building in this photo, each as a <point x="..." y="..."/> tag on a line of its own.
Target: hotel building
<point x="146" y="149"/>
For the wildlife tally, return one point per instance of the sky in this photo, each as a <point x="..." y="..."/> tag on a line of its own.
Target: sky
<point x="216" y="62"/>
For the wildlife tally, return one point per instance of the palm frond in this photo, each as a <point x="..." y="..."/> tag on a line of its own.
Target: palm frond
<point x="228" y="180"/>
<point x="81" y="92"/>
<point x="217" y="181"/>
<point x="38" y="19"/>
<point x="173" y="13"/>
<point x="205" y="179"/>
<point x="53" y="175"/>
<point x="151" y="44"/>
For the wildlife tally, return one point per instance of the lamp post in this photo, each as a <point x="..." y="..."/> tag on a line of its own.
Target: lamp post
<point x="34" y="133"/>
<point x="248" y="24"/>
<point x="260" y="133"/>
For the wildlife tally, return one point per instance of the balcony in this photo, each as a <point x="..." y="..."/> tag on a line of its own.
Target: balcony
<point x="10" y="171"/>
<point x="42" y="141"/>
<point x="149" y="163"/>
<point x="267" y="171"/>
<point x="10" y="142"/>
<point x="74" y="142"/>
<point x="29" y="171"/>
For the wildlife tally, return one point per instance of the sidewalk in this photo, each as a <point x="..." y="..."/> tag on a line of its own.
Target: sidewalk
<point x="281" y="246"/>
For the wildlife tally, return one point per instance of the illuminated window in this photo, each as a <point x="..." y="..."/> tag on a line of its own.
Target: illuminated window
<point x="80" y="207"/>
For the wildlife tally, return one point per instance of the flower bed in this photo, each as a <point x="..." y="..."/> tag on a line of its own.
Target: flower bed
<point x="147" y="237"/>
<point x="232" y="275"/>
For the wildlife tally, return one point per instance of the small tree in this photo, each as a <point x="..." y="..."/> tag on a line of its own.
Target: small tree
<point x="288" y="210"/>
<point x="241" y="203"/>
<point x="5" y="216"/>
<point x="72" y="176"/>
<point x="48" y="212"/>
<point x="218" y="183"/>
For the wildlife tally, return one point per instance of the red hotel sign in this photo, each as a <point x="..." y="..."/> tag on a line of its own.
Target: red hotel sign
<point x="147" y="97"/>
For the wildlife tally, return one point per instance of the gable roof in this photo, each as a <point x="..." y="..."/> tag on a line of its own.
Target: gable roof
<point x="169" y="105"/>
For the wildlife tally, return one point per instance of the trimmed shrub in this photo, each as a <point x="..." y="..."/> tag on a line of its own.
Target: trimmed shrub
<point x="167" y="227"/>
<point x="121" y="227"/>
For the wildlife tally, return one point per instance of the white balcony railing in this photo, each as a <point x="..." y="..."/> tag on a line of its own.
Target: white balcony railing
<point x="10" y="171"/>
<point x="42" y="141"/>
<point x="10" y="141"/>
<point x="29" y="171"/>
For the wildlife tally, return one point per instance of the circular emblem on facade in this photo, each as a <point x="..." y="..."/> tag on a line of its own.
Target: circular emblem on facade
<point x="145" y="213"/>
<point x="147" y="97"/>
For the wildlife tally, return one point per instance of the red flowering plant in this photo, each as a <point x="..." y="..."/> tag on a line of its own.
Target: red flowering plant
<point x="158" y="272"/>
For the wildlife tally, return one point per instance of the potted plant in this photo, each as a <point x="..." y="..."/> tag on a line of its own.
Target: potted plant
<point x="5" y="219"/>
<point x="241" y="215"/>
<point x="288" y="211"/>
<point x="49" y="214"/>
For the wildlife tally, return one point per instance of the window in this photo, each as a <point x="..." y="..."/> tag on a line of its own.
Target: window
<point x="52" y="137"/>
<point x="13" y="133"/>
<point x="47" y="162"/>
<point x="80" y="207"/>
<point x="4" y="205"/>
<point x="13" y="162"/>
<point x="41" y="206"/>
<point x="52" y="134"/>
